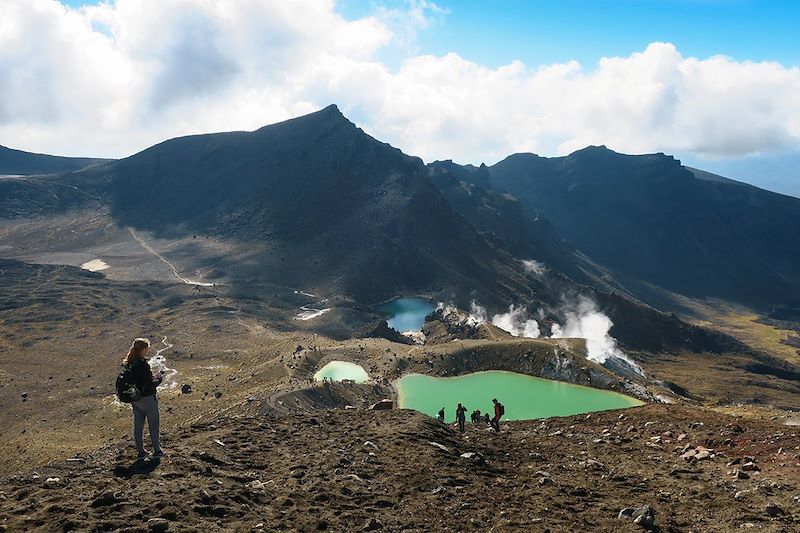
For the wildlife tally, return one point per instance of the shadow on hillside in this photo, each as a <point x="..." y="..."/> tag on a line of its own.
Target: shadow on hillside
<point x="136" y="468"/>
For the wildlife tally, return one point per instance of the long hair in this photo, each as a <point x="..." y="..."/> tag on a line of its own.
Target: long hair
<point x="135" y="352"/>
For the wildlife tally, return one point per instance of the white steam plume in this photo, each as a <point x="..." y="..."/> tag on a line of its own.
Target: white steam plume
<point x="584" y="320"/>
<point x="477" y="313"/>
<point x="534" y="267"/>
<point x="518" y="322"/>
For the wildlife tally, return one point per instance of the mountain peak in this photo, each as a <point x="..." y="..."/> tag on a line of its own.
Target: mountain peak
<point x="593" y="150"/>
<point x="329" y="116"/>
<point x="331" y="108"/>
<point x="330" y="113"/>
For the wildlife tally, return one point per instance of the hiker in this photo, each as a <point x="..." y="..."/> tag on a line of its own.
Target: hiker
<point x="440" y="415"/>
<point x="461" y="417"/>
<point x="147" y="405"/>
<point x="499" y="410"/>
<point x="476" y="416"/>
<point x="486" y="419"/>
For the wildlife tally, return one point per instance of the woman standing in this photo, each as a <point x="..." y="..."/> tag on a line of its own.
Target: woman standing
<point x="147" y="405"/>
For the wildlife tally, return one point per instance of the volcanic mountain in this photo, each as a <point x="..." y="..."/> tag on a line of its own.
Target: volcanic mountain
<point x="253" y="258"/>
<point x="511" y="225"/>
<point x="19" y="163"/>
<point x="310" y="202"/>
<point x="651" y="221"/>
<point x="314" y="203"/>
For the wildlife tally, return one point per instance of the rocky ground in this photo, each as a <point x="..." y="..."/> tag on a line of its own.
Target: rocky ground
<point x="359" y="470"/>
<point x="304" y="463"/>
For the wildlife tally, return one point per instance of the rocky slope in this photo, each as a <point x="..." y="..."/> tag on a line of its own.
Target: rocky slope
<point x="17" y="162"/>
<point x="355" y="470"/>
<point x="648" y="219"/>
<point x="508" y="222"/>
<point x="64" y="331"/>
<point x="312" y="202"/>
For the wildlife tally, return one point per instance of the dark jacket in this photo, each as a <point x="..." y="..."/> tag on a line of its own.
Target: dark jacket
<point x="143" y="377"/>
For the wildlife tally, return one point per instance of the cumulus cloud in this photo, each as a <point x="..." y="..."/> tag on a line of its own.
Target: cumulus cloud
<point x="117" y="77"/>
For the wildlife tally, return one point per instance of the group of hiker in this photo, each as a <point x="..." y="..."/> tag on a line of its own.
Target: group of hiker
<point x="476" y="417"/>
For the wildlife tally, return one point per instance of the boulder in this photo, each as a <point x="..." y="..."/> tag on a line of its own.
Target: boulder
<point x="738" y="474"/>
<point x="773" y="510"/>
<point x="698" y="453"/>
<point x="475" y="457"/>
<point x="105" y="499"/>
<point x="186" y="388"/>
<point x="158" y="525"/>
<point x="440" y="446"/>
<point x="644" y="516"/>
<point x="372" y="525"/>
<point x="382" y="405"/>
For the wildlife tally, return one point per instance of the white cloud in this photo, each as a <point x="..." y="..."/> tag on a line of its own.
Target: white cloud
<point x="115" y="78"/>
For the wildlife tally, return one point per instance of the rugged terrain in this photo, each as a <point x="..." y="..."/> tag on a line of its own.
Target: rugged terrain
<point x="251" y="259"/>
<point x="658" y="226"/>
<point x="356" y="470"/>
<point x="19" y="163"/>
<point x="277" y="205"/>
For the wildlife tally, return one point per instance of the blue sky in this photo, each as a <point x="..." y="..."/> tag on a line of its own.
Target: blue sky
<point x="546" y="31"/>
<point x="495" y="32"/>
<point x="666" y="101"/>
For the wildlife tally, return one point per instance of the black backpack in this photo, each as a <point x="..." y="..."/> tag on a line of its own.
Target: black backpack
<point x="502" y="408"/>
<point x="127" y="391"/>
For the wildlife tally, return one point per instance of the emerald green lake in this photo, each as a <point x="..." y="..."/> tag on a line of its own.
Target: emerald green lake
<point x="524" y="397"/>
<point x="407" y="314"/>
<point x="341" y="370"/>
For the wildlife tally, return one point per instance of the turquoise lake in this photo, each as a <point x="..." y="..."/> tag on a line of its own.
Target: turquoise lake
<point x="524" y="397"/>
<point x="341" y="370"/>
<point x="407" y="314"/>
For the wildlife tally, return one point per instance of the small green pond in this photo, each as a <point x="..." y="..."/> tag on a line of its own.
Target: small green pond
<point x="407" y="314"/>
<point x="524" y="397"/>
<point x="341" y="370"/>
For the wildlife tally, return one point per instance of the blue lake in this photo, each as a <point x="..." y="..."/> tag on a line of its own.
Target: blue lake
<point x="407" y="314"/>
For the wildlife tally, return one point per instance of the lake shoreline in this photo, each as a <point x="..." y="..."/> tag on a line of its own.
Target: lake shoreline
<point x="526" y="397"/>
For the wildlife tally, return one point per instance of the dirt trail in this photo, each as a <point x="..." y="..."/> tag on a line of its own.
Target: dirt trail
<point x="152" y="251"/>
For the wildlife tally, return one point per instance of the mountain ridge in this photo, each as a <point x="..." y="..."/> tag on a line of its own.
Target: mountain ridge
<point x="650" y="218"/>
<point x="19" y="162"/>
